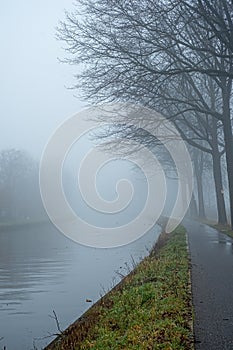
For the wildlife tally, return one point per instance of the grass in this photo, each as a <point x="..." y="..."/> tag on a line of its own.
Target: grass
<point x="225" y="229"/>
<point x="222" y="228"/>
<point x="150" y="309"/>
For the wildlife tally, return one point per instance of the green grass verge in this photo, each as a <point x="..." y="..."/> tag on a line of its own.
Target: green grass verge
<point x="150" y="309"/>
<point x="224" y="228"/>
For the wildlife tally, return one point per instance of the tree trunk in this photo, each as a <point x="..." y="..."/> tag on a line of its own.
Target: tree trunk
<point x="198" y="168"/>
<point x="200" y="198"/>
<point x="222" y="217"/>
<point x="217" y="172"/>
<point x="193" y="208"/>
<point x="227" y="128"/>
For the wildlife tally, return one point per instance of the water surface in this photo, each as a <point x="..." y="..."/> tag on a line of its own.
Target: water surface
<point x="41" y="270"/>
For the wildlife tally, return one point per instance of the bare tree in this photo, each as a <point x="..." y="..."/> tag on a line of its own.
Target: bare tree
<point x="131" y="49"/>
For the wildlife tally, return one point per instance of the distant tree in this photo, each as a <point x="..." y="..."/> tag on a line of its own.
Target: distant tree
<point x="17" y="175"/>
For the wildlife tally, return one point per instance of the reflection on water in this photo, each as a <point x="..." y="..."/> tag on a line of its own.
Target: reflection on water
<point x="41" y="271"/>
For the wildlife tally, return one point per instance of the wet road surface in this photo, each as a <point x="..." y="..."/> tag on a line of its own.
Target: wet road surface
<point x="212" y="285"/>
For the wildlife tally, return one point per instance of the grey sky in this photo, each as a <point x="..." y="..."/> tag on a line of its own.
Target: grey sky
<point x="34" y="100"/>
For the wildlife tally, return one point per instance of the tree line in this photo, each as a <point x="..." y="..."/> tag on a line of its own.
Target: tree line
<point x="175" y="56"/>
<point x="19" y="187"/>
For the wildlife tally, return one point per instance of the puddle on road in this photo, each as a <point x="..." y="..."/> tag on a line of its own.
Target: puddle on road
<point x="222" y="242"/>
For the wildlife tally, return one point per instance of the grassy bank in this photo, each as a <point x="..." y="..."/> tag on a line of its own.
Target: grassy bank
<point x="222" y="228"/>
<point x="149" y="309"/>
<point x="4" y="226"/>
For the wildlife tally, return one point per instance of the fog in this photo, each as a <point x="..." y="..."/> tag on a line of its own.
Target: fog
<point x="167" y="71"/>
<point x="34" y="83"/>
<point x="34" y="97"/>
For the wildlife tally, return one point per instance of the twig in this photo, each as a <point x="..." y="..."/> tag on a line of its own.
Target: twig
<point x="133" y="262"/>
<point x="57" y="322"/>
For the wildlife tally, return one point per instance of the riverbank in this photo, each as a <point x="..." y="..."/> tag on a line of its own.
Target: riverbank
<point x="149" y="309"/>
<point x="20" y="224"/>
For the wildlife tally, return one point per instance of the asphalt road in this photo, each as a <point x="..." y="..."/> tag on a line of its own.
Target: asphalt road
<point x="212" y="286"/>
